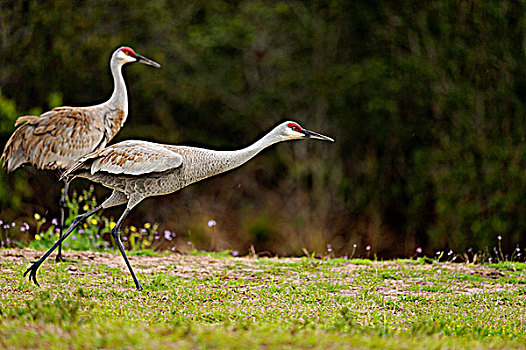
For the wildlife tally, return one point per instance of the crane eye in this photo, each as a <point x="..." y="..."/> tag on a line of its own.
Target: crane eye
<point x="295" y="128"/>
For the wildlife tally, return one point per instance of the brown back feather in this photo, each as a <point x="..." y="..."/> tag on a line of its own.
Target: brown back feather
<point x="54" y="140"/>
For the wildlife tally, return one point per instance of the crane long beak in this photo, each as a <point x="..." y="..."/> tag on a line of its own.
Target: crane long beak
<point x="315" y="135"/>
<point x="147" y="61"/>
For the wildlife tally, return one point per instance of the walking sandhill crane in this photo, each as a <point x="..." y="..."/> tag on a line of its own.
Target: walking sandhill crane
<point x="136" y="170"/>
<point x="56" y="139"/>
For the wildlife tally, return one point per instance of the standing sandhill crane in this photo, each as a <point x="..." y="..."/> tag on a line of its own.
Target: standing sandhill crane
<point x="136" y="170"/>
<point x="56" y="139"/>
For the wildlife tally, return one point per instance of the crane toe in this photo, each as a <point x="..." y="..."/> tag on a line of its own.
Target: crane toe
<point x="33" y="272"/>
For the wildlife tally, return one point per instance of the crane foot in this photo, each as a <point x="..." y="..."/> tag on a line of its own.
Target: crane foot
<point x="33" y="272"/>
<point x="59" y="259"/>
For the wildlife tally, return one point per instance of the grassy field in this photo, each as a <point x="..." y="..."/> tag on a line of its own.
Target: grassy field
<point x="219" y="302"/>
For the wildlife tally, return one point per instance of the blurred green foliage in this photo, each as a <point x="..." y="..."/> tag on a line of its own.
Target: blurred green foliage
<point x="424" y="99"/>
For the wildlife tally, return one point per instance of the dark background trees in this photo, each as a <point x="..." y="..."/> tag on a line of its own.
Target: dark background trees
<point x="424" y="99"/>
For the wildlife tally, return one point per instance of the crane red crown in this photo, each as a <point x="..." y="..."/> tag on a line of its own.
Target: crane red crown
<point x="128" y="50"/>
<point x="294" y="126"/>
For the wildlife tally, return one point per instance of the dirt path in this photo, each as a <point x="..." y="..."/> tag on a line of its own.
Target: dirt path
<point x="395" y="278"/>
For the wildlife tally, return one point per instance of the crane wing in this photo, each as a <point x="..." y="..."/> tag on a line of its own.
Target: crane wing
<point x="54" y="140"/>
<point x="130" y="158"/>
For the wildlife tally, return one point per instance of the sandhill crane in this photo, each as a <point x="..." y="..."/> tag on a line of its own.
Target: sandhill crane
<point x="136" y="170"/>
<point x="58" y="138"/>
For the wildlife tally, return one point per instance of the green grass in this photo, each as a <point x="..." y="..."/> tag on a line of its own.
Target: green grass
<point x="215" y="301"/>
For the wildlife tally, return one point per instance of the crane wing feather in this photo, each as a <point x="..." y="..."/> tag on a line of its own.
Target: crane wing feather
<point x="135" y="158"/>
<point x="56" y="139"/>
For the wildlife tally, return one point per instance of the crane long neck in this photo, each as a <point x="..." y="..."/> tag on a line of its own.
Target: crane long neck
<point x="119" y="98"/>
<point x="239" y="157"/>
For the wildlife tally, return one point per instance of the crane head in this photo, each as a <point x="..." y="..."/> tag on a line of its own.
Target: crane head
<point x="126" y="54"/>
<point x="292" y="130"/>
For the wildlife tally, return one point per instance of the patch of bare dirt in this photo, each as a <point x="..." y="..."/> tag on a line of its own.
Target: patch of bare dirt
<point x="392" y="278"/>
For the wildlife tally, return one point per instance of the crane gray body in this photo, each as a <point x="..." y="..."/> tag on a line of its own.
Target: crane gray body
<point x="56" y="139"/>
<point x="136" y="170"/>
<point x="196" y="164"/>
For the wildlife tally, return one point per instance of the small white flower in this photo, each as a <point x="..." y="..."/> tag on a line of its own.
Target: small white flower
<point x="212" y="223"/>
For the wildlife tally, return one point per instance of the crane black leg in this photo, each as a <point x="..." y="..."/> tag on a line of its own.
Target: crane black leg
<point x="117" y="236"/>
<point x="63" y="207"/>
<point x="78" y="220"/>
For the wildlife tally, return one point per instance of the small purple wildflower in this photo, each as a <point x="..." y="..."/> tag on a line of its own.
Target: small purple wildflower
<point x="6" y="226"/>
<point x="189" y="243"/>
<point x="1" y="222"/>
<point x="81" y="231"/>
<point x="235" y="253"/>
<point x="345" y="257"/>
<point x="57" y="230"/>
<point x="54" y="222"/>
<point x="450" y="252"/>
<point x="167" y="235"/>
<point x="143" y="230"/>
<point x="74" y="237"/>
<point x="490" y="260"/>
<point x="368" y="248"/>
<point x="13" y="224"/>
<point x="90" y="236"/>
<point x="65" y="244"/>
<point x="172" y="249"/>
<point x="212" y="223"/>
<point x="518" y="249"/>
<point x="156" y="237"/>
<point x="22" y="229"/>
<point x="354" y="245"/>
<point x="500" y="238"/>
<point x="124" y="238"/>
<point x="419" y="250"/>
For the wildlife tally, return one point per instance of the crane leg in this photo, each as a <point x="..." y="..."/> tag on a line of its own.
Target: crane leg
<point x="117" y="236"/>
<point x="78" y="220"/>
<point x="63" y="207"/>
<point x="116" y="198"/>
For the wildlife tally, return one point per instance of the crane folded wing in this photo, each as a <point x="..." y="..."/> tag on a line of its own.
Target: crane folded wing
<point x="128" y="158"/>
<point x="136" y="158"/>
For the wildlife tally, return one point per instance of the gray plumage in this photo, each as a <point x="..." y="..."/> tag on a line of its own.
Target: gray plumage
<point x="56" y="139"/>
<point x="135" y="170"/>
